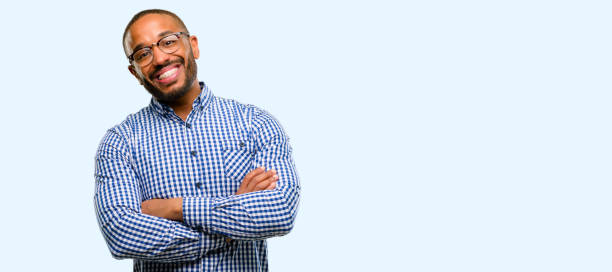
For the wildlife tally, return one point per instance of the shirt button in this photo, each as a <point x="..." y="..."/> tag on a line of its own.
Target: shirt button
<point x="194" y="153"/>
<point x="188" y="125"/>
<point x="242" y="144"/>
<point x="198" y="184"/>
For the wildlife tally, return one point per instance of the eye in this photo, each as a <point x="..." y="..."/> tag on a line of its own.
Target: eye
<point x="169" y="43"/>
<point x="141" y="54"/>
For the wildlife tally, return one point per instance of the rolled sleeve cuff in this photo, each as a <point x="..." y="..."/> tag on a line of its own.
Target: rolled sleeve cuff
<point x="197" y="212"/>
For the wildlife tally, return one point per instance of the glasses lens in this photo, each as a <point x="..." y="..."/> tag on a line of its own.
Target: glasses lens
<point x="143" y="56"/>
<point x="169" y="44"/>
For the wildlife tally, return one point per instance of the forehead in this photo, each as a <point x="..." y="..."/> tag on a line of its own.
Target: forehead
<point x="148" y="28"/>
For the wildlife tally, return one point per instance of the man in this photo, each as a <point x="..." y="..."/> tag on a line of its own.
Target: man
<point x="192" y="182"/>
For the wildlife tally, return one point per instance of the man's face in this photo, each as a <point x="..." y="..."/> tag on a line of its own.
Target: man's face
<point x="169" y="76"/>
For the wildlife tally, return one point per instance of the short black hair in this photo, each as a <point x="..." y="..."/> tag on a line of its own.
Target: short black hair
<point x="150" y="11"/>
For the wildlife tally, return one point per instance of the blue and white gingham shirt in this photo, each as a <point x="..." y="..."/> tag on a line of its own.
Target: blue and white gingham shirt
<point x="155" y="154"/>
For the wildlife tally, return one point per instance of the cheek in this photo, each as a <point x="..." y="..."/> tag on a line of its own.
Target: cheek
<point x="142" y="74"/>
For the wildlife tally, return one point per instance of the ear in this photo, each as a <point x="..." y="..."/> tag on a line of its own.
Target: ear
<point x="193" y="40"/>
<point x="134" y="73"/>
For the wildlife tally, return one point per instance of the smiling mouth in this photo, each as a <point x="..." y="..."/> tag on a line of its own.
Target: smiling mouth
<point x="168" y="74"/>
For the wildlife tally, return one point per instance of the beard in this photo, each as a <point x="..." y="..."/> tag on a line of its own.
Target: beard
<point x="191" y="70"/>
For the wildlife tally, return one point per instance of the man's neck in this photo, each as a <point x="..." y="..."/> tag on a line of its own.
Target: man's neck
<point x="183" y="106"/>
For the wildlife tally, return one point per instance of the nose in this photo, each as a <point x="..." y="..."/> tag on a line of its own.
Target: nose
<point x="159" y="57"/>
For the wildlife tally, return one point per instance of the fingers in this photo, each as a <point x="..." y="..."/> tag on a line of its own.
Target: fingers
<point x="264" y="184"/>
<point x="271" y="186"/>
<point x="258" y="179"/>
<point x="254" y="184"/>
<point x="253" y="173"/>
<point x="247" y="179"/>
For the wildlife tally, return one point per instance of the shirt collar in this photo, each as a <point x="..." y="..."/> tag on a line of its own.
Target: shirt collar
<point x="199" y="103"/>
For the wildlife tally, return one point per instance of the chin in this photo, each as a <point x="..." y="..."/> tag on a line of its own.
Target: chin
<point x="167" y="94"/>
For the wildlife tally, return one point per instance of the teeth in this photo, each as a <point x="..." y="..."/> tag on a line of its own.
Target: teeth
<point x="168" y="73"/>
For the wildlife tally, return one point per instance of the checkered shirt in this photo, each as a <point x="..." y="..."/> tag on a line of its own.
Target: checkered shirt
<point x="155" y="154"/>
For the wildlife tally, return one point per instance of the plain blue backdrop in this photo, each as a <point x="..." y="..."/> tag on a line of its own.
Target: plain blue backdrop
<point x="428" y="135"/>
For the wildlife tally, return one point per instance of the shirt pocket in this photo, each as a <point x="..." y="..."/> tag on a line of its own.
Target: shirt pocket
<point x="237" y="159"/>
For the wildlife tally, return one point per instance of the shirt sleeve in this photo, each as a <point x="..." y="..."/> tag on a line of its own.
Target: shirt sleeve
<point x="256" y="215"/>
<point x="130" y="233"/>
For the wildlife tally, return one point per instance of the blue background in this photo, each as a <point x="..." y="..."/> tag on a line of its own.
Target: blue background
<point x="428" y="135"/>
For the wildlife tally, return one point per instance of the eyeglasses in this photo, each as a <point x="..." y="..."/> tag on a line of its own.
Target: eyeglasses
<point x="168" y="45"/>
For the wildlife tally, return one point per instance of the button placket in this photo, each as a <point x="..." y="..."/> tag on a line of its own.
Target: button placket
<point x="193" y="160"/>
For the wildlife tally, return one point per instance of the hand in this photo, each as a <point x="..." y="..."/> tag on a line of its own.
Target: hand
<point x="257" y="180"/>
<point x="171" y="208"/>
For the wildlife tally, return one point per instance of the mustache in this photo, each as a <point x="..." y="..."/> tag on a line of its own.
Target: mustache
<point x="158" y="67"/>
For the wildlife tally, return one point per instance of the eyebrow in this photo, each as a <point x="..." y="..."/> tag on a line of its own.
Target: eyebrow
<point x="160" y="35"/>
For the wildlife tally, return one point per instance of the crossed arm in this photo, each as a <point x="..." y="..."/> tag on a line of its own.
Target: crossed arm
<point x="264" y="206"/>
<point x="150" y="234"/>
<point x="172" y="208"/>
